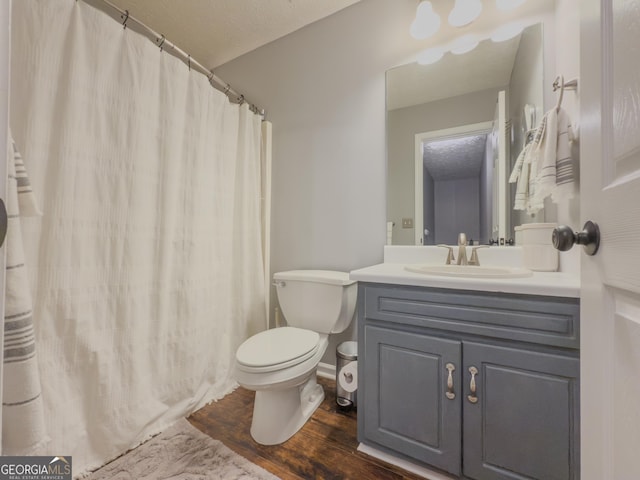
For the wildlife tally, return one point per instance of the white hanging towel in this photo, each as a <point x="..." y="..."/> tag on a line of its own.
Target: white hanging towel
<point x="23" y="426"/>
<point x="565" y="171"/>
<point x="520" y="174"/>
<point x="556" y="176"/>
<point x="545" y="167"/>
<point x="525" y="172"/>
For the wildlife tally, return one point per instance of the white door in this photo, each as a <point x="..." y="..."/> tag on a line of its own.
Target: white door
<point x="610" y="196"/>
<point x="5" y="54"/>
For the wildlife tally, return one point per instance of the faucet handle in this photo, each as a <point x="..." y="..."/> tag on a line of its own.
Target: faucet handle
<point x="450" y="257"/>
<point x="462" y="239"/>
<point x="474" y="255"/>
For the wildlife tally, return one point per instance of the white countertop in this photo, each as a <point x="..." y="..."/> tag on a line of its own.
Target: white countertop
<point x="555" y="284"/>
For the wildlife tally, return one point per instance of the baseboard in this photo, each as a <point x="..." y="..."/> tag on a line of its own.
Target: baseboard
<point x="326" y="370"/>
<point x="398" y="462"/>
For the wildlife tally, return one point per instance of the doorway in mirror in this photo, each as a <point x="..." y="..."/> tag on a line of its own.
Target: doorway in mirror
<point x="454" y="172"/>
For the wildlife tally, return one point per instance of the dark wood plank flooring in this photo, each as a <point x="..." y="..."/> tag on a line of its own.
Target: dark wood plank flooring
<point x="325" y="448"/>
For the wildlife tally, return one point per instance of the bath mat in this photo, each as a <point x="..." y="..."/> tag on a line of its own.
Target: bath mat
<point x="182" y="452"/>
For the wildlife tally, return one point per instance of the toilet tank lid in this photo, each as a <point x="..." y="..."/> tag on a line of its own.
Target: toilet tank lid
<point x="319" y="276"/>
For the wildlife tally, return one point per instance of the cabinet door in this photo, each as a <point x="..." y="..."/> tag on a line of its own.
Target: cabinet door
<point x="406" y="386"/>
<point x="525" y="422"/>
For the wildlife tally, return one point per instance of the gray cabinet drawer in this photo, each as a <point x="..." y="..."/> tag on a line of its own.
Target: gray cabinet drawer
<point x="550" y="321"/>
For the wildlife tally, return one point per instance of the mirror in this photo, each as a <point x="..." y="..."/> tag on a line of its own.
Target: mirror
<point x="454" y="131"/>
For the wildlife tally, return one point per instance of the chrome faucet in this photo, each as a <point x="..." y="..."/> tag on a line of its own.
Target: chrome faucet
<point x="462" y="249"/>
<point x="462" y="252"/>
<point x="450" y="257"/>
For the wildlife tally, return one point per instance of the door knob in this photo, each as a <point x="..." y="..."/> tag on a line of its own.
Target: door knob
<point x="563" y="238"/>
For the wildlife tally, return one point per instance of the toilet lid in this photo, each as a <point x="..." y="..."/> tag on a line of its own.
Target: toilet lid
<point x="278" y="346"/>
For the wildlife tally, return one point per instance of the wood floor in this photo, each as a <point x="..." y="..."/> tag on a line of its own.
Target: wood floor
<point x="325" y="448"/>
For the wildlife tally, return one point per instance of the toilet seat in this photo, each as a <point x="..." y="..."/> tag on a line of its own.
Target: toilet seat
<point x="276" y="349"/>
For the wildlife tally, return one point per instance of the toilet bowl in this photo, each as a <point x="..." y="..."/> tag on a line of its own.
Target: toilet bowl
<point x="280" y="364"/>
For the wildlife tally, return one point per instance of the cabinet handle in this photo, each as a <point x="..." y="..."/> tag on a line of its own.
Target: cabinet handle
<point x="450" y="395"/>
<point x="472" y="386"/>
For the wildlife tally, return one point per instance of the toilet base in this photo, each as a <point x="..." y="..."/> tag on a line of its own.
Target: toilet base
<point x="279" y="414"/>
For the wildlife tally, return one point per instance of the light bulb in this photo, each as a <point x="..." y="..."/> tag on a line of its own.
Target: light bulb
<point x="426" y="23"/>
<point x="464" y="12"/>
<point x="429" y="56"/>
<point x="464" y="44"/>
<point x="506" y="5"/>
<point x="507" y="32"/>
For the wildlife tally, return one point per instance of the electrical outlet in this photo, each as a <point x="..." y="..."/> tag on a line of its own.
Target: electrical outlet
<point x="407" y="223"/>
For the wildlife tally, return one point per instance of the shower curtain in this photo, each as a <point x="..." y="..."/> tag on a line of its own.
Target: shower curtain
<point x="146" y="266"/>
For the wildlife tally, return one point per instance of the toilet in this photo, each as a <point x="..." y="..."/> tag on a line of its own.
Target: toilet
<point x="280" y="364"/>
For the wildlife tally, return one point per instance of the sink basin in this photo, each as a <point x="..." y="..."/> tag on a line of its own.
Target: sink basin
<point x="469" y="271"/>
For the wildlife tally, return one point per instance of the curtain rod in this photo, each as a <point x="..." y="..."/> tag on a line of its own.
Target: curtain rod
<point x="216" y="82"/>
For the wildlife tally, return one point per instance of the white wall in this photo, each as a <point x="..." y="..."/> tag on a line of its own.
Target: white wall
<point x="324" y="90"/>
<point x="457" y="203"/>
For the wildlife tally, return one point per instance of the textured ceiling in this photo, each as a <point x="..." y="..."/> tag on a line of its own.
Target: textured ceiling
<point x="455" y="158"/>
<point x="216" y="31"/>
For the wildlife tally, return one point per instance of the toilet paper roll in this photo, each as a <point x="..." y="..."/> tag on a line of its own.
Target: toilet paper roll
<point x="348" y="377"/>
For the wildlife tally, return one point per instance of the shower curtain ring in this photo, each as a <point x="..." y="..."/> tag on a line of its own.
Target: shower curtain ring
<point x="227" y="88"/>
<point x="161" y="40"/>
<point x="189" y="59"/>
<point x="126" y="18"/>
<point x="241" y="99"/>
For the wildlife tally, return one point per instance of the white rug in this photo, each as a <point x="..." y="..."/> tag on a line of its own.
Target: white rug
<point x="182" y="452"/>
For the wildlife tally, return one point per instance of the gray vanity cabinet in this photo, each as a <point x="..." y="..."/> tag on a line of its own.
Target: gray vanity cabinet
<point x="411" y="414"/>
<point x="481" y="385"/>
<point x="524" y="422"/>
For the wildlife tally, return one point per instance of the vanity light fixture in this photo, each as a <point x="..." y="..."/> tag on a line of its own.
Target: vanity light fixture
<point x="507" y="32"/>
<point x="426" y="23"/>
<point x="431" y="55"/>
<point x="506" y="5"/>
<point x="464" y="44"/>
<point x="464" y="12"/>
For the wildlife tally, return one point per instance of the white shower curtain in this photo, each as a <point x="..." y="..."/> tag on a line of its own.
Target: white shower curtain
<point x="146" y="266"/>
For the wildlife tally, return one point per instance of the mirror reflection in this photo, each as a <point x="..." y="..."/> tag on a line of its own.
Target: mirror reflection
<point x="454" y="130"/>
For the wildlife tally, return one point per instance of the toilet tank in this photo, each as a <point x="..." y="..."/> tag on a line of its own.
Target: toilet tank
<point x="320" y="300"/>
